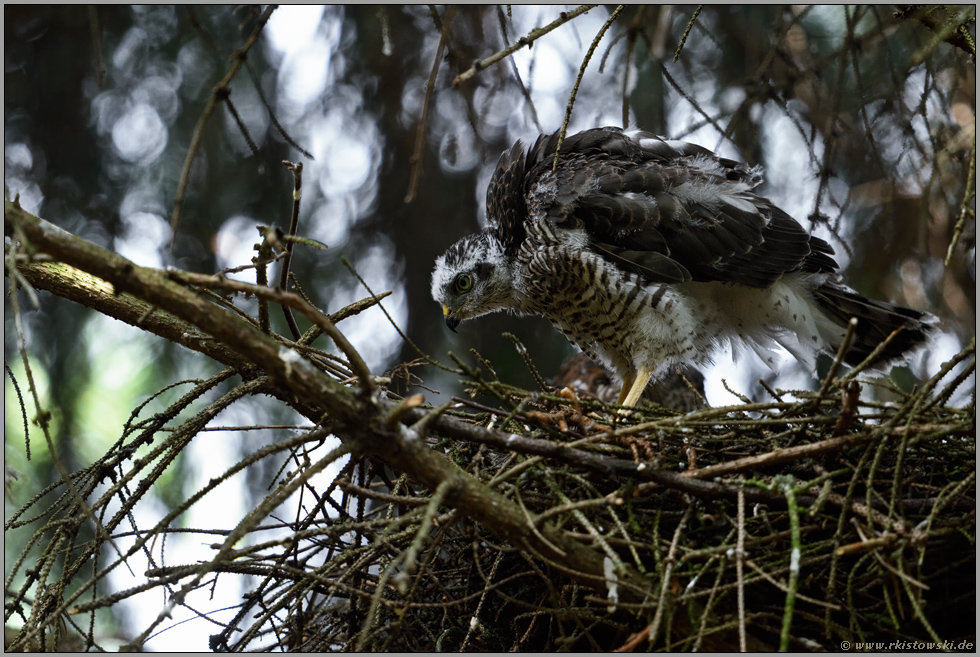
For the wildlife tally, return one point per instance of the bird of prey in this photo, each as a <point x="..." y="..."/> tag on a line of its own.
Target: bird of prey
<point x="648" y="253"/>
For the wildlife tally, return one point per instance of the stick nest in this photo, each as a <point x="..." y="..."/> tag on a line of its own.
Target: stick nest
<point x="805" y="522"/>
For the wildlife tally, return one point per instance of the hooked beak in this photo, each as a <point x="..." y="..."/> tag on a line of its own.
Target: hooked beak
<point x="451" y="321"/>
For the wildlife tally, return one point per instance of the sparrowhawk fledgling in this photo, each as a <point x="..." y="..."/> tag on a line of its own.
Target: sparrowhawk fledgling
<point x="647" y="253"/>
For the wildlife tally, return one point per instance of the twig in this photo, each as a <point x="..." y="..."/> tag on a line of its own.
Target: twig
<point x="865" y="546"/>
<point x="408" y="565"/>
<point x="297" y="171"/>
<point x="782" y="455"/>
<point x="528" y="101"/>
<point x="377" y="300"/>
<point x="569" y="506"/>
<point x="219" y="89"/>
<point x="265" y="255"/>
<point x="667" y="574"/>
<point x="578" y="80"/>
<point x="416" y="159"/>
<point x="590" y="527"/>
<point x="272" y="114"/>
<point x="522" y="350"/>
<point x="849" y="401"/>
<point x="680" y="46"/>
<point x="740" y="568"/>
<point x="475" y="619"/>
<point x="969" y="193"/>
<point x="709" y="604"/>
<point x="684" y="93"/>
<point x="953" y="30"/>
<point x="968" y="371"/>
<point x="842" y="350"/>
<point x="630" y="44"/>
<point x="786" y="483"/>
<point x="872" y="357"/>
<point x="23" y="408"/>
<point x="785" y="589"/>
<point x="225" y="96"/>
<point x="914" y="599"/>
<point x="531" y="37"/>
<point x="294" y="301"/>
<point x="533" y="526"/>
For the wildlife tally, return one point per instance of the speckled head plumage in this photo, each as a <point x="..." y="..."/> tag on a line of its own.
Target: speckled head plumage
<point x="472" y="278"/>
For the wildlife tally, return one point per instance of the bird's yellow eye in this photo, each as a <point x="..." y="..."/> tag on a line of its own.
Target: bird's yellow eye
<point x="463" y="283"/>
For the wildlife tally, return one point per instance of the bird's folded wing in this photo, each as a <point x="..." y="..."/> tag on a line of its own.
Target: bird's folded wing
<point x="668" y="211"/>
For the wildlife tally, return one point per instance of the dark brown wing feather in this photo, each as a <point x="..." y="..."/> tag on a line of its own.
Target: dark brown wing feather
<point x="625" y="195"/>
<point x="505" y="198"/>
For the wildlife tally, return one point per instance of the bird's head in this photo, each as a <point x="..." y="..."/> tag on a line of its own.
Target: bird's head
<point x="472" y="278"/>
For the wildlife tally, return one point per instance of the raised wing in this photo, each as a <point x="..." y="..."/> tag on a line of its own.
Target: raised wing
<point x="668" y="211"/>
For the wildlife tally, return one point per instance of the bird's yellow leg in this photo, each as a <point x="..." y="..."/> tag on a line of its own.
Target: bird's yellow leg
<point x="627" y="384"/>
<point x="635" y="387"/>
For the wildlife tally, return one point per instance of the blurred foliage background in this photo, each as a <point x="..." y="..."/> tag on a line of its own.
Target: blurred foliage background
<point x="863" y="117"/>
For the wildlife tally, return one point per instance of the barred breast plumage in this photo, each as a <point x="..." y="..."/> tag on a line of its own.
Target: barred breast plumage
<point x="648" y="253"/>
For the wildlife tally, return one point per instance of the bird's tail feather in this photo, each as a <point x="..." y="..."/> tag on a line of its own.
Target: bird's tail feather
<point x="876" y="322"/>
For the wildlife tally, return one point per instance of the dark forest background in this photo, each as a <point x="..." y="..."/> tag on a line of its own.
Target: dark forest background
<point x="863" y="117"/>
